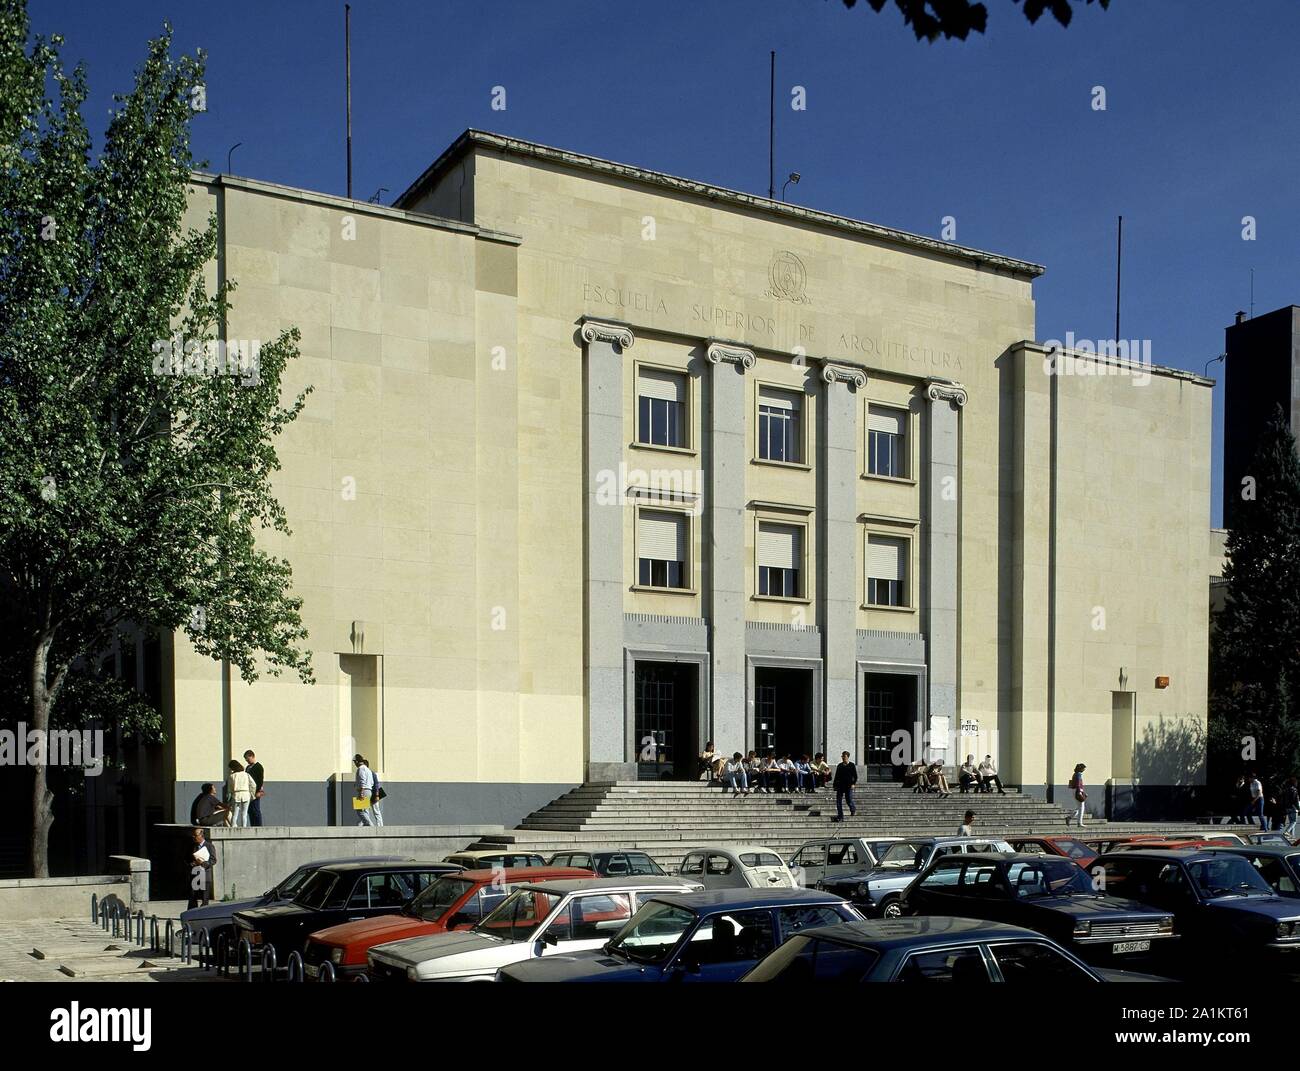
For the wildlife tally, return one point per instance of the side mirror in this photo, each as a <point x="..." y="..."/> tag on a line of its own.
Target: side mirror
<point x="551" y="939"/>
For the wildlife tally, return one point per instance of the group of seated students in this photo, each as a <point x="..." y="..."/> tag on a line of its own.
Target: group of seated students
<point x="756" y="773"/>
<point x="923" y="776"/>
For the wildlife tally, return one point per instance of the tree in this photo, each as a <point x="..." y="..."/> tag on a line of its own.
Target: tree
<point x="1255" y="663"/>
<point x="957" y="18"/>
<point x="134" y="468"/>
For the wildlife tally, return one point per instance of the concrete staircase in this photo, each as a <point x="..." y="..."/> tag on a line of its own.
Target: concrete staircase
<point x="665" y="818"/>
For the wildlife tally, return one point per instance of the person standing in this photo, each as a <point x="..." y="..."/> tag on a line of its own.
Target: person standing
<point x="202" y="860"/>
<point x="367" y="789"/>
<point x="240" y="789"/>
<point x="967" y="827"/>
<point x="988" y="772"/>
<point x="846" y="776"/>
<point x="1290" y="806"/>
<point x="1255" y="809"/>
<point x="1080" y="794"/>
<point x="254" y="770"/>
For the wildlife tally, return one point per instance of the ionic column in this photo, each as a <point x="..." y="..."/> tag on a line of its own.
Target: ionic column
<point x="726" y="544"/>
<point x="839" y="555"/>
<point x="941" y="546"/>
<point x="609" y="752"/>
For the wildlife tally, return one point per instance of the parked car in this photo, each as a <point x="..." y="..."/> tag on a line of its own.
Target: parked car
<point x="745" y="867"/>
<point x="929" y="949"/>
<point x="343" y="892"/>
<point x="1223" y="908"/>
<point x="712" y="936"/>
<point x="1278" y="865"/>
<point x="1275" y="836"/>
<point x="494" y="857"/>
<point x="219" y="918"/>
<point x="878" y="891"/>
<point x="1102" y="845"/>
<point x="1170" y="843"/>
<point x="611" y="863"/>
<point x="453" y="902"/>
<point x="1055" y="897"/>
<point x="833" y="857"/>
<point x="1066" y="847"/>
<point x="538" y="919"/>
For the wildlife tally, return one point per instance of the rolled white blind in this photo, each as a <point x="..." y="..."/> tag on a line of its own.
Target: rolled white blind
<point x="666" y="386"/>
<point x="885" y="558"/>
<point x="777" y="400"/>
<point x="778" y="546"/>
<point x="661" y="536"/>
<point x="892" y="421"/>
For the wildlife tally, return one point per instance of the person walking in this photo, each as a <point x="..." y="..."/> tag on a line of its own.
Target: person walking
<point x="1289" y="804"/>
<point x="367" y="789"/>
<point x="254" y="770"/>
<point x="846" y="776"/>
<point x="240" y="790"/>
<point x="201" y="862"/>
<point x="988" y="772"/>
<point x="967" y="827"/>
<point x="1255" y="809"/>
<point x="1080" y="794"/>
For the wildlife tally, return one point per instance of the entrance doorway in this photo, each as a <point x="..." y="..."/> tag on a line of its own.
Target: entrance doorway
<point x="783" y="712"/>
<point x="890" y="706"/>
<point x="666" y="720"/>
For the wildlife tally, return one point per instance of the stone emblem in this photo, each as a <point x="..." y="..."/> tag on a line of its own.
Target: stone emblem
<point x="788" y="278"/>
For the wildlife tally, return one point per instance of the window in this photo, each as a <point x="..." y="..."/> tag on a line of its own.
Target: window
<point x="811" y="855"/>
<point x="886" y="571"/>
<point x="719" y="864"/>
<point x="947" y="965"/>
<point x="802" y="959"/>
<point x="886" y="441"/>
<point x="793" y="919"/>
<point x="692" y="864"/>
<point x="842" y="854"/>
<point x="941" y="879"/>
<point x="779" y="557"/>
<point x="381" y="890"/>
<point x="597" y="918"/>
<point x="661" y="549"/>
<point x="779" y="433"/>
<point x="1034" y="962"/>
<point x="661" y="408"/>
<point x="732" y="938"/>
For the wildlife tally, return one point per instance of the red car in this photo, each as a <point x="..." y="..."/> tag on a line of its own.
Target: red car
<point x="1069" y="847"/>
<point x="453" y="902"/>
<point x="1144" y="843"/>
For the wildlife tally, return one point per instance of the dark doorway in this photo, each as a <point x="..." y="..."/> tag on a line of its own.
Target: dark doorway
<point x="783" y="718"/>
<point x="667" y="722"/>
<point x="890" y="706"/>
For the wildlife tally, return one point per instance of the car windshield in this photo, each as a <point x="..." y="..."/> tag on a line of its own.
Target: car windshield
<point x="760" y="859"/>
<point x="316" y="890"/>
<point x="288" y="888"/>
<point x="1228" y="875"/>
<point x="433" y="903"/>
<point x="1074" y="849"/>
<point x="1048" y="877"/>
<point x="651" y="934"/>
<point x="519" y="915"/>
<point x="903" y="855"/>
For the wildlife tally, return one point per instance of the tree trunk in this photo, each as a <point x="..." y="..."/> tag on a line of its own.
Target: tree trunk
<point x="42" y="797"/>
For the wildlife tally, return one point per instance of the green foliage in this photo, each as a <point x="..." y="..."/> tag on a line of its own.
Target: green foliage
<point x="931" y="19"/>
<point x="1255" y="657"/>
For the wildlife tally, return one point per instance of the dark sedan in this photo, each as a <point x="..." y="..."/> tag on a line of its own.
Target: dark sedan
<point x="344" y="892"/>
<point x="711" y="936"/>
<point x="1278" y="864"/>
<point x="1222" y="906"/>
<point x="1053" y="896"/>
<point x="929" y="950"/>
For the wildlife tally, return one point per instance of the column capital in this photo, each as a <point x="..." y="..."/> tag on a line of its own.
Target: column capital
<point x="717" y="352"/>
<point x="843" y="373"/>
<point x="946" y="390"/>
<point x="601" y="331"/>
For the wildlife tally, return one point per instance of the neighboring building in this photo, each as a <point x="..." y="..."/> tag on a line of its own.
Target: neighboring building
<point x="602" y="463"/>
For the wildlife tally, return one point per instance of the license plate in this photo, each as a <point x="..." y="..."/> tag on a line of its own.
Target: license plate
<point x="1131" y="946"/>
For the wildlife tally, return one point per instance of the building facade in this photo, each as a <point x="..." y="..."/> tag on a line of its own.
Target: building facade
<point x="602" y="464"/>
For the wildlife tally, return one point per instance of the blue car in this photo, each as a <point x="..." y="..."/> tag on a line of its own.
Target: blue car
<point x="711" y="936"/>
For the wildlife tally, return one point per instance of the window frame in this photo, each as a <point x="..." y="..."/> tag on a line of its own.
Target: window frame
<point x="688" y="567"/>
<point x="688" y="408"/>
<point x="803" y="401"/>
<point x="909" y="438"/>
<point x="801" y="522"/>
<point x="909" y="581"/>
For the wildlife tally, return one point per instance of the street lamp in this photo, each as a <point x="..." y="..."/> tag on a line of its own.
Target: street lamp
<point x="794" y="177"/>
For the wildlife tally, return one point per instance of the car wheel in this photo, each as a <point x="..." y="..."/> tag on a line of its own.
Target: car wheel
<point x="892" y="909"/>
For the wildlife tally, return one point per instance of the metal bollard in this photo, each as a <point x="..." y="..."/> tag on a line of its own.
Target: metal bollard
<point x="167" y="936"/>
<point x="153" y="934"/>
<point x="139" y="928"/>
<point x="268" y="954"/>
<point x="294" y="967"/>
<point x="205" y="950"/>
<point x="244" y="965"/>
<point x="187" y="942"/>
<point x="94" y="907"/>
<point x="362" y="978"/>
<point x="326" y="968"/>
<point x="223" y="955"/>
<point x="103" y="915"/>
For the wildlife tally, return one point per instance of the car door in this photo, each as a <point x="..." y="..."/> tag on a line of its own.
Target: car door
<point x="586" y="921"/>
<point x="725" y="946"/>
<point x="693" y="867"/>
<point x="721" y="872"/>
<point x="811" y="863"/>
<point x="844" y="857"/>
<point x="936" y="892"/>
<point x="961" y="963"/>
<point x="1036" y="963"/>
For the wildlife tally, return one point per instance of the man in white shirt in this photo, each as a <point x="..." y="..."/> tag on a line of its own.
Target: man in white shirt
<point x="967" y="827"/>
<point x="733" y="774"/>
<point x="1256" y="802"/>
<point x="988" y="772"/>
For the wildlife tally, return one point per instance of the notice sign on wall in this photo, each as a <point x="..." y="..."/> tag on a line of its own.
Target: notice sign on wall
<point x="970" y="727"/>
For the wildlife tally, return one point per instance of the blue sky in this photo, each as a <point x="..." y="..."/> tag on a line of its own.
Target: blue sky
<point x="1201" y="127"/>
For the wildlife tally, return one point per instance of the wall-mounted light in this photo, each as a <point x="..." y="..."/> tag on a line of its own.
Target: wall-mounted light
<point x="1162" y="682"/>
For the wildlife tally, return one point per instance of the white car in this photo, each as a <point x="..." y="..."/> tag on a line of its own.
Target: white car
<point x="744" y="867"/>
<point x="537" y="919"/>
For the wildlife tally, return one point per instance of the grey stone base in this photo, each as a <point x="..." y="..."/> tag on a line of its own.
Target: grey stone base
<point x="611" y="771"/>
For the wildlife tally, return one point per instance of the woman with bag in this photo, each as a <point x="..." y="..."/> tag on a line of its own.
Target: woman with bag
<point x="240" y="788"/>
<point x="1080" y="796"/>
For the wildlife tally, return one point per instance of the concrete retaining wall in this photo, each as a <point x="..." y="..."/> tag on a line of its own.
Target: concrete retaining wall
<point x="57" y="898"/>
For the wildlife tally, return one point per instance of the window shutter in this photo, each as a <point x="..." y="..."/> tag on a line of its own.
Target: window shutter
<point x="885" y="558"/>
<point x="777" y="400"/>
<point x="666" y="386"/>
<point x="778" y="546"/>
<point x="661" y="536"/>
<point x="893" y="421"/>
